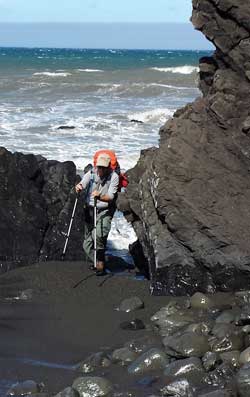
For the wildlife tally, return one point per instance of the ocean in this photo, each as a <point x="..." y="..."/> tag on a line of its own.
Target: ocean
<point x="98" y="94"/>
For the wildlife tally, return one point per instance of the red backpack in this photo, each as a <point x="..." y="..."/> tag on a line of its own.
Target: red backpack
<point x="123" y="180"/>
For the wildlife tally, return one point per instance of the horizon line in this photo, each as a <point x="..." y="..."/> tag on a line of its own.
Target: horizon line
<point x="107" y="48"/>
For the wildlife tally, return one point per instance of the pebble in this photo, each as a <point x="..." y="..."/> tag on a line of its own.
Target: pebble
<point x="133" y="325"/>
<point x="68" y="392"/>
<point x="131" y="304"/>
<point x="153" y="359"/>
<point x="92" y="386"/>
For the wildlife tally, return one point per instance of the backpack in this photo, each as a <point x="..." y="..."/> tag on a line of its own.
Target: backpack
<point x="123" y="180"/>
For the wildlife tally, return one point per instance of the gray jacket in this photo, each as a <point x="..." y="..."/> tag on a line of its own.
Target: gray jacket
<point x="107" y="185"/>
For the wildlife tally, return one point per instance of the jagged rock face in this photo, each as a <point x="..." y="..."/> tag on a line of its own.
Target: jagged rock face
<point x="190" y="199"/>
<point x="35" y="209"/>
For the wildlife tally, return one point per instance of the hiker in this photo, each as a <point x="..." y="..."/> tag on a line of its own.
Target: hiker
<point x="101" y="183"/>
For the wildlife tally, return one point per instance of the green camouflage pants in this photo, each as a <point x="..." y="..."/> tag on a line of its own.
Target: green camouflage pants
<point x="103" y="225"/>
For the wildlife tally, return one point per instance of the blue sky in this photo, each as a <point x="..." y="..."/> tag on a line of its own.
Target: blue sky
<point x="95" y="10"/>
<point x="117" y="24"/>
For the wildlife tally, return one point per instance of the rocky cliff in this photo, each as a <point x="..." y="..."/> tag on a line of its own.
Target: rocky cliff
<point x="36" y="204"/>
<point x="189" y="199"/>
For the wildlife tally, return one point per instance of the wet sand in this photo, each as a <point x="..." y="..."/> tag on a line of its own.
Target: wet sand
<point x="44" y="337"/>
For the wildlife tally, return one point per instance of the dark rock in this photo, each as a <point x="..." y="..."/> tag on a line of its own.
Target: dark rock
<point x="140" y="261"/>
<point x="228" y="316"/>
<point x="200" y="301"/>
<point x="133" y="325"/>
<point x="94" y="361"/>
<point x="189" y="198"/>
<point x="36" y="203"/>
<point x="211" y="360"/>
<point x="228" y="392"/>
<point x="186" y="344"/>
<point x="169" y="324"/>
<point x="68" y="392"/>
<point x="26" y="295"/>
<point x="92" y="386"/>
<point x="202" y="328"/>
<point x="123" y="356"/>
<point x="66" y="127"/>
<point x="232" y="358"/>
<point x="151" y="360"/>
<point x="243" y="381"/>
<point x="245" y="356"/>
<point x="28" y="387"/>
<point x="189" y="368"/>
<point x="172" y="307"/>
<point x="131" y="304"/>
<point x="179" y="388"/>
<point x="221" y="330"/>
<point x="147" y="381"/>
<point x="244" y="316"/>
<point x="43" y="395"/>
<point x="242" y="297"/>
<point x="222" y="376"/>
<point x="226" y="343"/>
<point x="144" y="343"/>
<point x="136" y="121"/>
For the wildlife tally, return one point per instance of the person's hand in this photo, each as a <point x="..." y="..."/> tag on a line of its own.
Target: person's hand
<point x="78" y="187"/>
<point x="96" y="194"/>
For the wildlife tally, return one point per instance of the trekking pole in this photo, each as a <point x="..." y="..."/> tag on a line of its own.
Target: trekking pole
<point x="95" y="216"/>
<point x="69" y="229"/>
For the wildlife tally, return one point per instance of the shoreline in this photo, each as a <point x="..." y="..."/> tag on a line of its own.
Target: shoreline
<point x="52" y="333"/>
<point x="61" y="325"/>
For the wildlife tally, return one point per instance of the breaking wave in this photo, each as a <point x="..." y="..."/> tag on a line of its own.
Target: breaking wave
<point x="90" y="70"/>
<point x="52" y="74"/>
<point x="186" y="69"/>
<point x="152" y="116"/>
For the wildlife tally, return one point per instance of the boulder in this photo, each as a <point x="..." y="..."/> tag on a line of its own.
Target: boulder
<point x="133" y="325"/>
<point x="36" y="203"/>
<point x="124" y="356"/>
<point x="222" y="376"/>
<point x="144" y="343"/>
<point x="211" y="360"/>
<point x="28" y="387"/>
<point x="243" y="381"/>
<point x="90" y="386"/>
<point x="151" y="360"/>
<point x="200" y="301"/>
<point x="186" y="344"/>
<point x="179" y="388"/>
<point x="94" y="361"/>
<point x="189" y="198"/>
<point x="245" y="356"/>
<point x="189" y="368"/>
<point x="232" y="358"/>
<point x="68" y="392"/>
<point x="131" y="304"/>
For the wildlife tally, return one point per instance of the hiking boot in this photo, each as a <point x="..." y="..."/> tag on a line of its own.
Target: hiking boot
<point x="101" y="272"/>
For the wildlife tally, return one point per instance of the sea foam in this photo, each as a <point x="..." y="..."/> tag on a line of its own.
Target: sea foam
<point x="152" y="116"/>
<point x="186" y="69"/>
<point x="52" y="74"/>
<point x="90" y="70"/>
